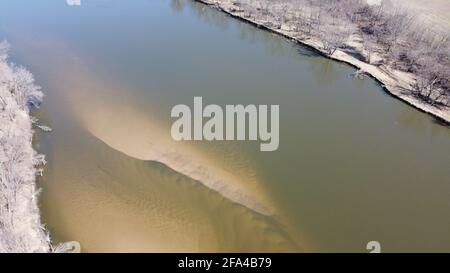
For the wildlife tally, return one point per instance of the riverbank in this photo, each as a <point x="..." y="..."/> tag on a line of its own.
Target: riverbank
<point x="21" y="229"/>
<point x="398" y="83"/>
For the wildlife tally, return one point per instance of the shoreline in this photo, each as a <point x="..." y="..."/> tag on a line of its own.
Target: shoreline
<point x="21" y="228"/>
<point x="391" y="80"/>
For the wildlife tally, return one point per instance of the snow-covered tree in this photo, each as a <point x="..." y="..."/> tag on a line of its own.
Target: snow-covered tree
<point x="20" y="226"/>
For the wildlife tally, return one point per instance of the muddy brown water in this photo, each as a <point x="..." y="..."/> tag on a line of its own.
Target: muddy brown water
<point x="354" y="164"/>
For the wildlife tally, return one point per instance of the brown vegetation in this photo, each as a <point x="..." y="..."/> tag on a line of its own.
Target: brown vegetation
<point x="396" y="36"/>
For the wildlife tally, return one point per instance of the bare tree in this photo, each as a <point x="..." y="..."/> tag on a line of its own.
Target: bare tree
<point x="20" y="227"/>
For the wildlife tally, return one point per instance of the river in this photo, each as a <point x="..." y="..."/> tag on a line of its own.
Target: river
<point x="354" y="164"/>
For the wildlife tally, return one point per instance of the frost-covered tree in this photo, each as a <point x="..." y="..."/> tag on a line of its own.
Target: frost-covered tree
<point x="20" y="226"/>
